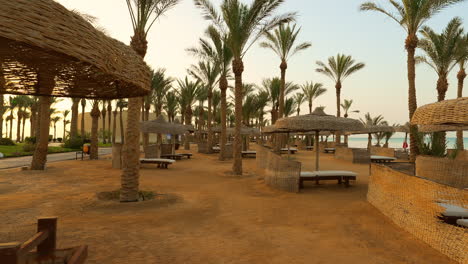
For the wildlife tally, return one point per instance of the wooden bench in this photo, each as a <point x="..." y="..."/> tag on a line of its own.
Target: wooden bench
<point x="329" y="150"/>
<point x="249" y="153"/>
<point x="216" y="149"/>
<point x="381" y="159"/>
<point x="187" y="155"/>
<point x="291" y="150"/>
<point x="172" y="156"/>
<point x="318" y="176"/>
<point x="45" y="241"/>
<point x="309" y="147"/>
<point x="162" y="163"/>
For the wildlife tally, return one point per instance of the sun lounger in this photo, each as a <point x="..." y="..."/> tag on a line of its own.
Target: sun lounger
<point x="162" y="163"/>
<point x="309" y="147"/>
<point x="329" y="150"/>
<point x="291" y="150"/>
<point x="462" y="222"/>
<point x="381" y="159"/>
<point x="452" y="213"/>
<point x="172" y="156"/>
<point x="249" y="153"/>
<point x="187" y="155"/>
<point x="317" y="176"/>
<point x="216" y="149"/>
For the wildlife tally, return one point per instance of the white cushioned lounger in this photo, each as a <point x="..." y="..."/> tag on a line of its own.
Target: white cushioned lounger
<point x="462" y="222"/>
<point x="382" y="157"/>
<point x="454" y="211"/>
<point x="249" y="152"/>
<point x="327" y="173"/>
<point x="158" y="160"/>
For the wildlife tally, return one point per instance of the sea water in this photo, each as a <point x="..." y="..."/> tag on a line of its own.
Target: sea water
<point x="397" y="142"/>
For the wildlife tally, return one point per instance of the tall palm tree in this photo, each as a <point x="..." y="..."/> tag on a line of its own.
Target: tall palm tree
<point x="83" y="109"/>
<point x="171" y="105"/>
<point x="346" y="105"/>
<point x="441" y="52"/>
<point x="282" y="41"/>
<point x="109" y="121"/>
<point x="272" y="88"/>
<point x="243" y="25"/>
<point x="93" y="153"/>
<point x="103" y="114"/>
<point x="289" y="107"/>
<point x="262" y="101"/>
<point x="215" y="48"/>
<point x="216" y="102"/>
<point x="411" y="15"/>
<point x="143" y="14"/>
<point x="369" y="121"/>
<point x="201" y="96"/>
<point x="299" y="99"/>
<point x="42" y="135"/>
<point x="55" y="120"/>
<point x="26" y="116"/>
<point x="34" y="108"/>
<point x="114" y="124"/>
<point x="311" y="92"/>
<point x="121" y="104"/>
<point x="65" y="115"/>
<point x="208" y="74"/>
<point x="3" y="109"/>
<point x="74" y="117"/>
<point x="338" y="69"/>
<point x="463" y="50"/>
<point x="13" y="104"/>
<point x="188" y="92"/>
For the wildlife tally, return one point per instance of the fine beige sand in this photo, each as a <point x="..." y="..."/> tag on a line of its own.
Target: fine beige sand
<point x="204" y="215"/>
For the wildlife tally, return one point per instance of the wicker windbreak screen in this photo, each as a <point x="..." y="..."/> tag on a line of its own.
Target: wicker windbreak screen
<point x="46" y="49"/>
<point x="445" y="113"/>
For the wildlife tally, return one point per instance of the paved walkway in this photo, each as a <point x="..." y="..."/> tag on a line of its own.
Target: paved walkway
<point x="26" y="161"/>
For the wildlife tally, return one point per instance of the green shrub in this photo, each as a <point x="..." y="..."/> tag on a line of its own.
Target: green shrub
<point x="29" y="147"/>
<point x="6" y="142"/>
<point x="74" y="143"/>
<point x="31" y="140"/>
<point x="59" y="140"/>
<point x="51" y="137"/>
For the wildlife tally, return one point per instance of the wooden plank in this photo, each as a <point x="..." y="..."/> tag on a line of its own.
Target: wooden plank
<point x="79" y="256"/>
<point x="33" y="242"/>
<point x="49" y="224"/>
<point x="9" y="253"/>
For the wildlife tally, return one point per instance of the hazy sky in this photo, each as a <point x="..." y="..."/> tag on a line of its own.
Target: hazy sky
<point x="331" y="26"/>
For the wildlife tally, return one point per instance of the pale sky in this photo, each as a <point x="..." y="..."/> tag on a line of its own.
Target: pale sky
<point x="332" y="26"/>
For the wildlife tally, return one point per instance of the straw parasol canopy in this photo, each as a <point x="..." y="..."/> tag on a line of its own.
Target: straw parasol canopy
<point x="48" y="50"/>
<point x="447" y="114"/>
<point x="246" y="131"/>
<point x="440" y="128"/>
<point x="273" y="130"/>
<point x="161" y="126"/>
<point x="318" y="121"/>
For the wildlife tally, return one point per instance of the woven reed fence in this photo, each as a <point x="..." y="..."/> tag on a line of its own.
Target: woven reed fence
<point x="379" y="151"/>
<point x="442" y="170"/>
<point x="459" y="155"/>
<point x="279" y="173"/>
<point x="354" y="155"/>
<point x="411" y="203"/>
<point x="151" y="151"/>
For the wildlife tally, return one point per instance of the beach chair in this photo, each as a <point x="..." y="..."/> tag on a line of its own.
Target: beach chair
<point x="291" y="150"/>
<point x="216" y="149"/>
<point x="462" y="222"/>
<point x="162" y="163"/>
<point x="172" y="156"/>
<point x="249" y="153"/>
<point x="381" y="159"/>
<point x="453" y="213"/>
<point x="329" y="150"/>
<point x="187" y="155"/>
<point x="309" y="147"/>
<point x="318" y="176"/>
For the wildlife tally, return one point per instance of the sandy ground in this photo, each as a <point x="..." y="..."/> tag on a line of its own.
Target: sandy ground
<point x="207" y="216"/>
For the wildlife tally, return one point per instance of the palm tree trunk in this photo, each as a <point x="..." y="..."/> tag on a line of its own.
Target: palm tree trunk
<point x="461" y="78"/>
<point x="442" y="86"/>
<point x="223" y="85"/>
<point x="338" y="109"/>
<point x="410" y="44"/>
<point x="2" y="102"/>
<point x="64" y="129"/>
<point x="11" y="126"/>
<point x="283" y="68"/>
<point x="122" y="136"/>
<point x="40" y="153"/>
<point x="146" y="118"/>
<point x="188" y="121"/>
<point x="18" y="127"/>
<point x="109" y="120"/>
<point x="114" y="126"/>
<point x="209" y="139"/>
<point x="55" y="130"/>
<point x="74" y="118"/>
<point x="83" y="122"/>
<point x="93" y="153"/>
<point x="238" y="68"/>
<point x="103" y="113"/>
<point x="24" y="124"/>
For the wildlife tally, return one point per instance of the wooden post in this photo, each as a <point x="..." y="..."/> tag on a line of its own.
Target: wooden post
<point x="317" y="150"/>
<point x="9" y="253"/>
<point x="47" y="247"/>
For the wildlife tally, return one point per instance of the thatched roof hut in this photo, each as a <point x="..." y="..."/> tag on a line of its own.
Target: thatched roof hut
<point x="448" y="115"/>
<point x="161" y="126"/>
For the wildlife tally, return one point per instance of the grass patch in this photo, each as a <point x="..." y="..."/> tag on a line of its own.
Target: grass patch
<point x="107" y="145"/>
<point x="17" y="150"/>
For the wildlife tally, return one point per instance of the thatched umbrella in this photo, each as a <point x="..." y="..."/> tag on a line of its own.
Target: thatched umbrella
<point x="318" y="121"/>
<point x="46" y="50"/>
<point x="161" y="126"/>
<point x="447" y="114"/>
<point x="245" y="131"/>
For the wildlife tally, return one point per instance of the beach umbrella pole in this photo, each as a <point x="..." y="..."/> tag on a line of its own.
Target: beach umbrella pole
<point x="317" y="151"/>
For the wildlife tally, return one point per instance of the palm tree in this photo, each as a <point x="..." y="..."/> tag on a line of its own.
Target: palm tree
<point x="216" y="103"/>
<point x="74" y="117"/>
<point x="188" y="92"/>
<point x="171" y="105"/>
<point x="411" y="15"/>
<point x="216" y="50"/>
<point x="109" y="120"/>
<point x="463" y="50"/>
<point x="289" y="107"/>
<point x="338" y="69"/>
<point x="13" y="104"/>
<point x="121" y="104"/>
<point x="143" y="14"/>
<point x="26" y="115"/>
<point x="262" y="101"/>
<point x="299" y="98"/>
<point x="208" y="74"/>
<point x="103" y="114"/>
<point x="65" y="115"/>
<point x="272" y="88"/>
<point x="388" y="136"/>
<point x="369" y="121"/>
<point x="93" y="153"/>
<point x="114" y="124"/>
<point x="83" y="107"/>
<point x="40" y="153"/>
<point x="441" y="52"/>
<point x="3" y="109"/>
<point x="346" y="105"/>
<point x="242" y="25"/>
<point x="8" y="119"/>
<point x="311" y="92"/>
<point x="201" y="96"/>
<point x="54" y="120"/>
<point x="282" y="41"/>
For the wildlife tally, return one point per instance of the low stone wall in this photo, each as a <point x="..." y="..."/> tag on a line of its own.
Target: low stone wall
<point x="379" y="151"/>
<point x="443" y="170"/>
<point x="278" y="172"/>
<point x="410" y="202"/>
<point x="354" y="155"/>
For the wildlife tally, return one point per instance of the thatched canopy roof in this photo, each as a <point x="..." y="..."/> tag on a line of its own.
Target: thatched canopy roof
<point x="402" y="129"/>
<point x="448" y="115"/>
<point x="161" y="126"/>
<point x="318" y="121"/>
<point x="438" y="128"/>
<point x="373" y="129"/>
<point x="273" y="130"/>
<point x="244" y="131"/>
<point x="46" y="49"/>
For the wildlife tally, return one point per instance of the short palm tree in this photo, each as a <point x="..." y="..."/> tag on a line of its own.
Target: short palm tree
<point x="207" y="73"/>
<point x="463" y="50"/>
<point x="441" y="52"/>
<point x="171" y="105"/>
<point x="187" y="93"/>
<point x="3" y="109"/>
<point x="121" y="105"/>
<point x="55" y="120"/>
<point x="83" y="109"/>
<point x="299" y="99"/>
<point x="26" y="115"/>
<point x="65" y="115"/>
<point x="262" y="101"/>
<point x="411" y="15"/>
<point x="74" y="117"/>
<point x="161" y="84"/>
<point x="93" y="153"/>
<point x="346" y="105"/>
<point x="282" y="41"/>
<point x="369" y="121"/>
<point x="289" y="107"/>
<point x="272" y="88"/>
<point x="143" y="14"/>
<point x="242" y="25"/>
<point x="103" y="114"/>
<point x="311" y="91"/>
